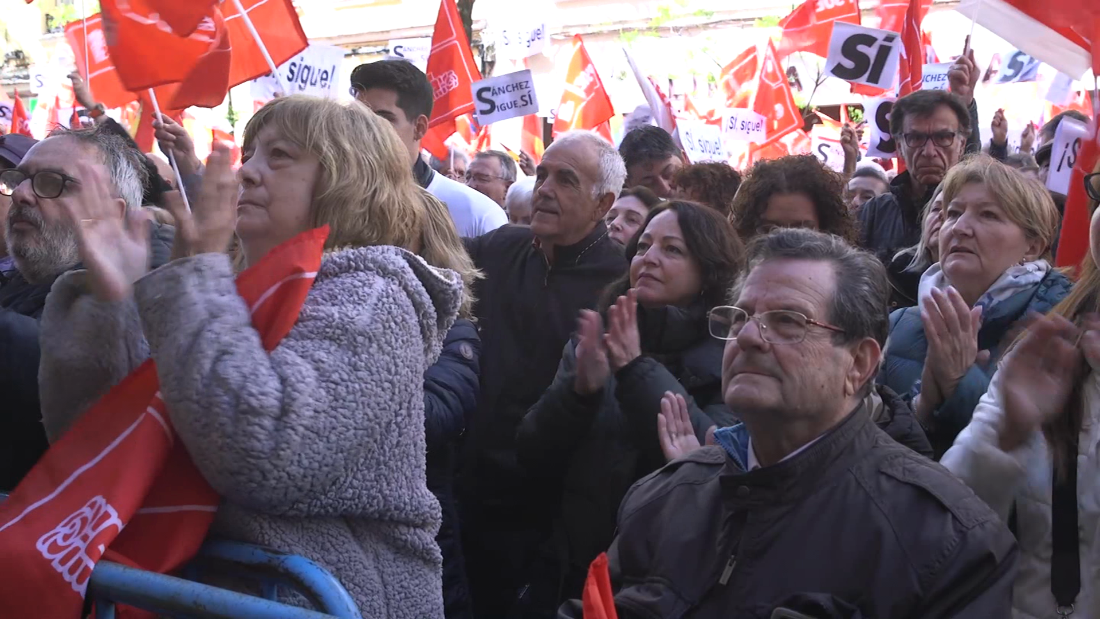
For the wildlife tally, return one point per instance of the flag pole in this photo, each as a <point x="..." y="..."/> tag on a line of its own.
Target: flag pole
<point x="171" y="153"/>
<point x="260" y="44"/>
<point x="973" y="24"/>
<point x="87" y="63"/>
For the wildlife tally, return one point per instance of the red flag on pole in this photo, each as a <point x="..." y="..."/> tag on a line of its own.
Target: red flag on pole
<point x="103" y="80"/>
<point x="810" y="26"/>
<point x="74" y="120"/>
<point x="531" y="139"/>
<point x="451" y="72"/>
<point x="911" y="73"/>
<point x="736" y="78"/>
<point x="891" y="13"/>
<point x="1062" y="33"/>
<point x="773" y="98"/>
<point x="584" y="102"/>
<point x="183" y="17"/>
<point x="20" y="120"/>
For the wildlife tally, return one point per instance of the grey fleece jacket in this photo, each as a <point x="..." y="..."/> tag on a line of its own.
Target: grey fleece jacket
<point x="317" y="448"/>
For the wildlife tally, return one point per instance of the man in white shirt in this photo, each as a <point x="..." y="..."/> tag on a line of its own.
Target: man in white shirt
<point x="399" y="92"/>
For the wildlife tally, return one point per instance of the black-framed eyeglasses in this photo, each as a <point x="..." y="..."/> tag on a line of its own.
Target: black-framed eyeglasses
<point x="46" y="184"/>
<point x="481" y="178"/>
<point x="776" y="327"/>
<point x="917" y="139"/>
<point x="1092" y="185"/>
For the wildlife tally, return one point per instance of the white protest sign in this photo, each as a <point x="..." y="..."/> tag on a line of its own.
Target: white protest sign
<point x="315" y="71"/>
<point x="1018" y="67"/>
<point x="829" y="151"/>
<point x="5" y="116"/>
<point x="863" y="55"/>
<point x="38" y="74"/>
<point x="504" y="96"/>
<point x="415" y="51"/>
<point x="935" y="76"/>
<point x="744" y="126"/>
<point x="702" y="142"/>
<point x="877" y="113"/>
<point x="1060" y="88"/>
<point x="520" y="40"/>
<point x="1067" y="144"/>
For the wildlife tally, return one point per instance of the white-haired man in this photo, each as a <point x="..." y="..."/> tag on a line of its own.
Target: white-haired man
<point x="40" y="235"/>
<point x="537" y="279"/>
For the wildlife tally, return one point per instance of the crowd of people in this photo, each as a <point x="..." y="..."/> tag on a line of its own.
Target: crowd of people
<point x="843" y="395"/>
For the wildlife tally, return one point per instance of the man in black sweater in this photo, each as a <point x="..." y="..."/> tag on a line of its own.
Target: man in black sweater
<point x="537" y="280"/>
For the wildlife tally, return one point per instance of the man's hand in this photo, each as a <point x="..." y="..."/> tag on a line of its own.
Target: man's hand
<point x="964" y="76"/>
<point x="593" y="369"/>
<point x="81" y="91"/>
<point x="1027" y="138"/>
<point x="674" y="429"/>
<point x="849" y="143"/>
<point x="526" y="164"/>
<point x="174" y="139"/>
<point x="1000" y="128"/>
<point x="208" y="226"/>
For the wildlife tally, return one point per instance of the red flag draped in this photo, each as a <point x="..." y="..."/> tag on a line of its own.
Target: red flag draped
<point x="810" y="26"/>
<point x="120" y="485"/>
<point x="911" y="73"/>
<point x="451" y="72"/>
<point x="584" y="101"/>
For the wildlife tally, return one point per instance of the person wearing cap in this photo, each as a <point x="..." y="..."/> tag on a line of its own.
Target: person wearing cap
<point x="44" y="186"/>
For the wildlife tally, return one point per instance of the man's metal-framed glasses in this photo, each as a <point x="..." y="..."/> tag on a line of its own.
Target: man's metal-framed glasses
<point x="46" y="184"/>
<point x="917" y="139"/>
<point x="1092" y="185"/>
<point x="776" y="327"/>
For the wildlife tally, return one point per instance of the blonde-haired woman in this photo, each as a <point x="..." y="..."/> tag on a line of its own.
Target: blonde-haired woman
<point x="1032" y="450"/>
<point x="908" y="265"/>
<point x="993" y="270"/>
<point x="317" y="448"/>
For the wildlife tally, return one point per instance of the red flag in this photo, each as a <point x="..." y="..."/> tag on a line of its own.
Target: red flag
<point x="584" y="102"/>
<point x="597" y="600"/>
<point x="451" y="72"/>
<point x="773" y="98"/>
<point x="1073" y="241"/>
<point x="278" y="25"/>
<point x="531" y="139"/>
<point x="119" y="485"/>
<point x="143" y="131"/>
<point x="1062" y="33"/>
<point x="74" y="120"/>
<point x="103" y="81"/>
<point x="53" y="115"/>
<point x="736" y="78"/>
<point x="911" y="73"/>
<point x="891" y="13"/>
<point x="20" y="120"/>
<point x="710" y="117"/>
<point x="810" y="26"/>
<point x="183" y="17"/>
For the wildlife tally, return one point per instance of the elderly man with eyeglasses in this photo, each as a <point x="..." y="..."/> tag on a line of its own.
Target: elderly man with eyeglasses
<point x="43" y="188"/>
<point x="807" y="508"/>
<point x="492" y="174"/>
<point x="930" y="128"/>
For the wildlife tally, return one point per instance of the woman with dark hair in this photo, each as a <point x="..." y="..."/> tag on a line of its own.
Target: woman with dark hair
<point x="594" y="432"/>
<point x="793" y="192"/>
<point x="713" y="184"/>
<point x="628" y="212"/>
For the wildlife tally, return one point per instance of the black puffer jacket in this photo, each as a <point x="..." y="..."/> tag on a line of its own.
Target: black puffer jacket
<point x="598" y="446"/>
<point x="450" y="399"/>
<point x="22" y="437"/>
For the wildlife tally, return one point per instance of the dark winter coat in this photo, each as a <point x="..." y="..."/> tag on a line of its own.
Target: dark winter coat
<point x="597" y="446"/>
<point x="22" y="437"/>
<point x="450" y="399"/>
<point x="907" y="348"/>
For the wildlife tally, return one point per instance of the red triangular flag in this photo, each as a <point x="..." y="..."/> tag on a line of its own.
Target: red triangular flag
<point x="737" y="77"/>
<point x="451" y="72"/>
<point x="53" y="115"/>
<point x="773" y="98"/>
<point x="74" y="120"/>
<point x="531" y="140"/>
<point x="911" y="73"/>
<point x="584" y="101"/>
<point x="810" y="26"/>
<point x="103" y="81"/>
<point x="597" y="600"/>
<point x="20" y="120"/>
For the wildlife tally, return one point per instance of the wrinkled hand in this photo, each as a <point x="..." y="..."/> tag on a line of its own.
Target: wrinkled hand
<point x="622" y="340"/>
<point x="849" y="143"/>
<point x="208" y="227"/>
<point x="526" y="164"/>
<point x="964" y="75"/>
<point x="951" y="328"/>
<point x="114" y="243"/>
<point x="1000" y="128"/>
<point x="174" y="139"/>
<point x="592" y="366"/>
<point x="1027" y="138"/>
<point x="82" y="91"/>
<point x="674" y="430"/>
<point x="1037" y="378"/>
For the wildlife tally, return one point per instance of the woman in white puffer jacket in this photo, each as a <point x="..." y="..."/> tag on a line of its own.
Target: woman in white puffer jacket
<point x="1038" y="426"/>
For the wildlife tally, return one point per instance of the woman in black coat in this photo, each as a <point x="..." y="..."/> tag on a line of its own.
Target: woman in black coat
<point x="594" y="432"/>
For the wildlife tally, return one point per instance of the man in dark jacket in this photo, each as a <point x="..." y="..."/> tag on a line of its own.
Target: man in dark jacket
<point x="537" y="280"/>
<point x="932" y="129"/>
<point x="808" y="505"/>
<point x="42" y="242"/>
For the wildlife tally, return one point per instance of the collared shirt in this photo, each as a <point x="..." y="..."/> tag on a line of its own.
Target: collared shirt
<point x="754" y="464"/>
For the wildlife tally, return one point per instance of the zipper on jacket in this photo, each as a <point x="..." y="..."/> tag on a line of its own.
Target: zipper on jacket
<point x="728" y="571"/>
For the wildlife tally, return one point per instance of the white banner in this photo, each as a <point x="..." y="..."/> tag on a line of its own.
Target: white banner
<point x="935" y="76"/>
<point x="744" y="126"/>
<point x="518" y="41"/>
<point x="1018" y="67"/>
<point x="702" y="142"/>
<point x="1060" y="88"/>
<point x="877" y="114"/>
<point x="863" y="55"/>
<point x="415" y="51"/>
<point x="504" y="96"/>
<point x="315" y="71"/>
<point x="1063" y="156"/>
